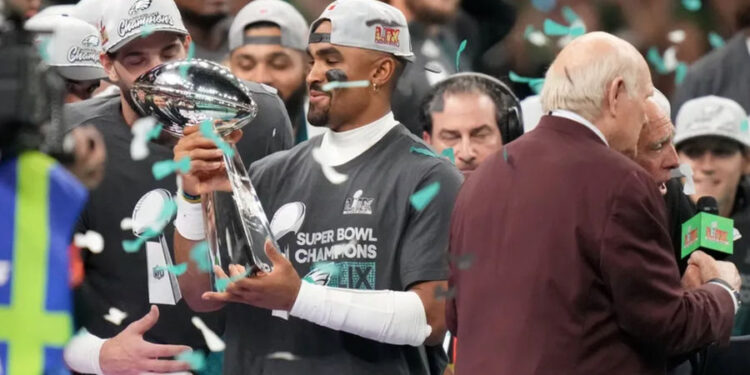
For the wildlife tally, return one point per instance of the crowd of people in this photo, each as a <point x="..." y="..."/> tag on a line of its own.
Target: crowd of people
<point x="475" y="226"/>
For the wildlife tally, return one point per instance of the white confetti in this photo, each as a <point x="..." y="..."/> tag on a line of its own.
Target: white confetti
<point x="126" y="223"/>
<point x="537" y="38"/>
<point x="331" y="174"/>
<point x="90" y="240"/>
<point x="286" y="356"/>
<point x="213" y="341"/>
<point x="4" y="272"/>
<point x="737" y="235"/>
<point x="115" y="316"/>
<point x="670" y="59"/>
<point x="139" y="145"/>
<point x="676" y="36"/>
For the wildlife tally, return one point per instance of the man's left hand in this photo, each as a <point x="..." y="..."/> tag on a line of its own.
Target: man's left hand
<point x="276" y="290"/>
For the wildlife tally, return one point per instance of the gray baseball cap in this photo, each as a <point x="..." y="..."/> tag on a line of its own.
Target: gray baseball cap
<point x="124" y="20"/>
<point x="712" y="116"/>
<point x="367" y="24"/>
<point x="292" y="24"/>
<point x="73" y="47"/>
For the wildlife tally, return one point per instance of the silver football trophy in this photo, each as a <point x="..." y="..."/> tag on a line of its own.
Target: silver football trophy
<point x="187" y="93"/>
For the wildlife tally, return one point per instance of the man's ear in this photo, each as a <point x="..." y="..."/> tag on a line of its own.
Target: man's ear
<point x="746" y="162"/>
<point x="109" y="67"/>
<point x="186" y="44"/>
<point x="614" y="95"/>
<point x="426" y="137"/>
<point x="385" y="68"/>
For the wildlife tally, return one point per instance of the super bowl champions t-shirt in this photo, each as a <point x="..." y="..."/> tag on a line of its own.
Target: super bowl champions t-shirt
<point x="117" y="279"/>
<point x="367" y="228"/>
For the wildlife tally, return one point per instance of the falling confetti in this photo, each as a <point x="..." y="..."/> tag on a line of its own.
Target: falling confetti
<point x="222" y="283"/>
<point x="676" y="36"/>
<point x="692" y="5"/>
<point x="448" y="153"/>
<point x="680" y="73"/>
<point x="90" y="240"/>
<point x="144" y="130"/>
<point x="715" y="40"/>
<point x="744" y="127"/>
<point x="505" y="154"/>
<point x="207" y="129"/>
<point x="329" y="172"/>
<point x="168" y="210"/>
<point x="213" y="341"/>
<point x="544" y="5"/>
<point x="536" y="84"/>
<point x="423" y="151"/>
<point x="461" y="49"/>
<point x="44" y="48"/>
<point x="654" y="57"/>
<point x="570" y="15"/>
<point x="115" y="316"/>
<point x="330" y="86"/>
<point x="535" y="36"/>
<point x="423" y="197"/>
<point x="442" y="293"/>
<point x="164" y="168"/>
<point x="4" y="272"/>
<point x="147" y="30"/>
<point x="284" y="356"/>
<point x="199" y="255"/>
<point x="197" y="360"/>
<point x="576" y="28"/>
<point x="126" y="223"/>
<point x="190" y="56"/>
<point x="176" y="270"/>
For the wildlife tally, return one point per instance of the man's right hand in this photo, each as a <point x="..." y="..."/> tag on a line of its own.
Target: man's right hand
<point x="128" y="354"/>
<point x="712" y="269"/>
<point x="207" y="171"/>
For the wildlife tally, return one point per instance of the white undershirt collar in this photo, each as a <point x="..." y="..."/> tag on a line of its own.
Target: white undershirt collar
<point x="338" y="148"/>
<point x="579" y="119"/>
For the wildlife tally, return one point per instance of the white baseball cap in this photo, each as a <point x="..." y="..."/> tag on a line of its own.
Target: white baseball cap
<point x="367" y="24"/>
<point x="125" y="20"/>
<point x="292" y="24"/>
<point x="712" y="116"/>
<point x="73" y="47"/>
<point x="90" y="11"/>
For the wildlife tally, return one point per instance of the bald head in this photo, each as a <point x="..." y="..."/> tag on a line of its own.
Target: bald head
<point x="605" y="80"/>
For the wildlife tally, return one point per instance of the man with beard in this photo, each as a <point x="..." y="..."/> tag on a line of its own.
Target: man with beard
<point x="267" y="40"/>
<point x="207" y="22"/>
<point x="115" y="279"/>
<point x="374" y="253"/>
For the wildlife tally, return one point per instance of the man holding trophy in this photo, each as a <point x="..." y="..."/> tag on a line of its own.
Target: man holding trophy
<point x="349" y="212"/>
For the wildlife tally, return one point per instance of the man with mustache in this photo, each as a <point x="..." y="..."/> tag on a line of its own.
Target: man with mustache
<point x="373" y="247"/>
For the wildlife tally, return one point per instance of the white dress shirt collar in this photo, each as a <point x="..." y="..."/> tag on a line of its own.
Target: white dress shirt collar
<point x="338" y="148"/>
<point x="579" y="119"/>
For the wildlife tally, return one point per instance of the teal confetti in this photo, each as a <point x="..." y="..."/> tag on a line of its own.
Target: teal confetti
<point x="570" y="15"/>
<point x="528" y="31"/>
<point x="448" y="153"/>
<point x="553" y="28"/>
<point x="505" y="154"/>
<point x="164" y="168"/>
<point x="576" y="28"/>
<point x="132" y="246"/>
<point x="165" y="216"/>
<point x="199" y="255"/>
<point x="543" y="5"/>
<point x="197" y="360"/>
<point x="207" y="129"/>
<point x="680" y="72"/>
<point x="654" y="57"/>
<point x="422" y="198"/>
<point x="44" y="48"/>
<point x="176" y="270"/>
<point x="692" y="5"/>
<point x="154" y="132"/>
<point x="715" y="40"/>
<point x="744" y="127"/>
<point x="190" y="56"/>
<point x="147" y="30"/>
<point x="222" y="283"/>
<point x="423" y="151"/>
<point x="535" y="83"/>
<point x="344" y="85"/>
<point x="461" y="49"/>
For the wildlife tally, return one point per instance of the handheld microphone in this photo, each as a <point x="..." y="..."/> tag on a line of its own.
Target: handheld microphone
<point x="708" y="232"/>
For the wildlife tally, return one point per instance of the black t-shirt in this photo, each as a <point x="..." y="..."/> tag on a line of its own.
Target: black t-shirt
<point x="114" y="278"/>
<point x="395" y="247"/>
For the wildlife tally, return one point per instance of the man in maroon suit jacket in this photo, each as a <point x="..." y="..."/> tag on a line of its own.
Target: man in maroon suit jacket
<point x="573" y="270"/>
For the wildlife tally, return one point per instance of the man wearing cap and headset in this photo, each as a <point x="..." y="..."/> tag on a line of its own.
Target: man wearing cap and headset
<point x="472" y="113"/>
<point x="381" y="295"/>
<point x="267" y="41"/>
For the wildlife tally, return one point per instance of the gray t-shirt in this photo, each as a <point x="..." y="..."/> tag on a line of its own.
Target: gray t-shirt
<point x="394" y="246"/>
<point x="118" y="279"/>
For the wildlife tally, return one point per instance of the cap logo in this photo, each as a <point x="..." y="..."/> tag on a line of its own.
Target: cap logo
<point x="387" y="35"/>
<point x="139" y="6"/>
<point x="127" y="26"/>
<point x="88" y="53"/>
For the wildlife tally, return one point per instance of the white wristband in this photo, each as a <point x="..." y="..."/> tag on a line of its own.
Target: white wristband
<point x="382" y="315"/>
<point x="189" y="221"/>
<point x="82" y="353"/>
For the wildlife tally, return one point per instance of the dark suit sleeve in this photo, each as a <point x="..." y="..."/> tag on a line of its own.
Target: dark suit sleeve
<point x="638" y="267"/>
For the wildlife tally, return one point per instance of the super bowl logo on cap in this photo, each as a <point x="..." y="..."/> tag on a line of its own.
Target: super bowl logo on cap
<point x="87" y="52"/>
<point x="139" y="6"/>
<point x="386" y="32"/>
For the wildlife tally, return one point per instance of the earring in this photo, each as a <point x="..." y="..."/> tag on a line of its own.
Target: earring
<point x="375" y="87"/>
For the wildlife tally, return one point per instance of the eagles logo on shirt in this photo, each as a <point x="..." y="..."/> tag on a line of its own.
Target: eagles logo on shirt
<point x="139" y="6"/>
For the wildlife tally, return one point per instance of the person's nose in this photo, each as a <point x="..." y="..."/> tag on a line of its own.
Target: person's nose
<point x="671" y="161"/>
<point x="465" y="150"/>
<point x="706" y="163"/>
<point x="261" y="73"/>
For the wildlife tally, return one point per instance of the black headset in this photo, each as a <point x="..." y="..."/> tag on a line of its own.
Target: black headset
<point x="509" y="118"/>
